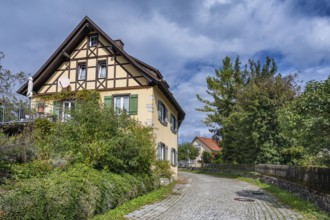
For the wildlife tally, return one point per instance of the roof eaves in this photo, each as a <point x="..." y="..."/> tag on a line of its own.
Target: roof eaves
<point x="79" y="28"/>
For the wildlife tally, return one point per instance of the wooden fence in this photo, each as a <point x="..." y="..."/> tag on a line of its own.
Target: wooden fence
<point x="312" y="177"/>
<point x="315" y="178"/>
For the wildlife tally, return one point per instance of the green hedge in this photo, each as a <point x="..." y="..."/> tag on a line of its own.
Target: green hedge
<point x="78" y="193"/>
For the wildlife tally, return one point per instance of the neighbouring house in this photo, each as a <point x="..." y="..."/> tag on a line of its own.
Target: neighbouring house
<point x="89" y="59"/>
<point x="204" y="144"/>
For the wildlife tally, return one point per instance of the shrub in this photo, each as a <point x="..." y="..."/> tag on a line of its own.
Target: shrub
<point x="101" y="139"/>
<point x="79" y="193"/>
<point x="206" y="157"/>
<point x="163" y="169"/>
<point x="36" y="168"/>
<point x="13" y="150"/>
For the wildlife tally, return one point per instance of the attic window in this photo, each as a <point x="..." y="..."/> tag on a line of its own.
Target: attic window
<point x="82" y="72"/>
<point x="93" y="41"/>
<point x="102" y="70"/>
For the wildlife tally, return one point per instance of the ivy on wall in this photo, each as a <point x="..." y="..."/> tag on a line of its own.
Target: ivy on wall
<point x="81" y="95"/>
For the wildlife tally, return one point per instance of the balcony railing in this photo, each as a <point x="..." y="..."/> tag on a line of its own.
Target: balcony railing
<point x="21" y="113"/>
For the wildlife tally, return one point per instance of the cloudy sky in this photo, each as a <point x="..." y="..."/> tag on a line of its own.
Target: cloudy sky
<point x="185" y="39"/>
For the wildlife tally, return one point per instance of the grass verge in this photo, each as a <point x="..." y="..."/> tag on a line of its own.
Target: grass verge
<point x="134" y="204"/>
<point x="307" y="209"/>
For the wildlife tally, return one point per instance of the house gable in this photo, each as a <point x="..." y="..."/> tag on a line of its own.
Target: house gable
<point x="123" y="70"/>
<point x="207" y="143"/>
<point x="120" y="73"/>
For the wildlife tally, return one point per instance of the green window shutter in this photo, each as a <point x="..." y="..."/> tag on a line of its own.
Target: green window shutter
<point x="133" y="104"/>
<point x="56" y="110"/>
<point x="108" y="101"/>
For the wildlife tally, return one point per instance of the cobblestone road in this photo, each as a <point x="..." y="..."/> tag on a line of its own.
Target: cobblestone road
<point x="207" y="197"/>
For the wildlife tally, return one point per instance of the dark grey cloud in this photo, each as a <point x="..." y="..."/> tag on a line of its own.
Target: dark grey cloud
<point x="320" y="8"/>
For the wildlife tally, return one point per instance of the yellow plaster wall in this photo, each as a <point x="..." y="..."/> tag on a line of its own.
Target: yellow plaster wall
<point x="163" y="133"/>
<point x="202" y="149"/>
<point x="144" y="102"/>
<point x="120" y="72"/>
<point x="111" y="60"/>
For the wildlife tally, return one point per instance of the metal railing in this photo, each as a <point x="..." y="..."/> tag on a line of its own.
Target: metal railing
<point x="21" y="113"/>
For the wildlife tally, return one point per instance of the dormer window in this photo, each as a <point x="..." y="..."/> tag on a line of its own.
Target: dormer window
<point x="93" y="41"/>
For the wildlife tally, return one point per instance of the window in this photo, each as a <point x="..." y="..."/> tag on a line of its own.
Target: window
<point x="162" y="113"/>
<point x="82" y="72"/>
<point x="162" y="151"/>
<point x="93" y="41"/>
<point x="66" y="111"/>
<point x="128" y="103"/>
<point x="174" y="126"/>
<point x="102" y="71"/>
<point x="197" y="146"/>
<point x="121" y="103"/>
<point x="173" y="157"/>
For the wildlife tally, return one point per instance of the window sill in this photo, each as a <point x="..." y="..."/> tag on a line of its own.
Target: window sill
<point x="163" y="122"/>
<point x="174" y="131"/>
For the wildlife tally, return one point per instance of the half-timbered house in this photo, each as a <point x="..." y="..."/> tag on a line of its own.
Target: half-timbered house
<point x="89" y="59"/>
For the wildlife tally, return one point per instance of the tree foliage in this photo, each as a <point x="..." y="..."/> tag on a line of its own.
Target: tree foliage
<point x="98" y="137"/>
<point x="243" y="107"/>
<point x="206" y="157"/>
<point x="10" y="105"/>
<point x="187" y="151"/>
<point x="305" y="124"/>
<point x="8" y="79"/>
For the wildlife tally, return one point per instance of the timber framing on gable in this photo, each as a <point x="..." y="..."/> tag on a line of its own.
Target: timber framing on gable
<point x="122" y="70"/>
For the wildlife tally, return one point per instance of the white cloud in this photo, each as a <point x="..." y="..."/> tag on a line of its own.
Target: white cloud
<point x="186" y="93"/>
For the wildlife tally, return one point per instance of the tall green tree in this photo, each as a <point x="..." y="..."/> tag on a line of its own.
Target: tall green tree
<point x="223" y="89"/>
<point x="253" y="129"/>
<point x="243" y="106"/>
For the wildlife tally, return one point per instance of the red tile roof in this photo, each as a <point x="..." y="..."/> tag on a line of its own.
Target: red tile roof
<point x="210" y="143"/>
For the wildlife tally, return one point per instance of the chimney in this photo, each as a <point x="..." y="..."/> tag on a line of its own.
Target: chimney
<point x="119" y="43"/>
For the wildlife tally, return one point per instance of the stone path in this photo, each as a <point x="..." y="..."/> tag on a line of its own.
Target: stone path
<point x="207" y="197"/>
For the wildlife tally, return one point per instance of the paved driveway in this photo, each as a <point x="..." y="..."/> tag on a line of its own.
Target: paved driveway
<point x="207" y="197"/>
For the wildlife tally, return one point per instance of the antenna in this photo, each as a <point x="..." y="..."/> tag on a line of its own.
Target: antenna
<point x="63" y="82"/>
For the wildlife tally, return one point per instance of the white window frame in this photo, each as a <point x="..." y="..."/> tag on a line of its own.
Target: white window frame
<point x="82" y="74"/>
<point x="173" y="157"/>
<point x="119" y="107"/>
<point x="102" y="69"/>
<point x="93" y="41"/>
<point x="163" y="152"/>
<point x="66" y="115"/>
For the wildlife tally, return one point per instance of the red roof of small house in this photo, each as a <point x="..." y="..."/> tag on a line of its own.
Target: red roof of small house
<point x="210" y="143"/>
